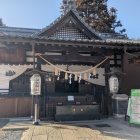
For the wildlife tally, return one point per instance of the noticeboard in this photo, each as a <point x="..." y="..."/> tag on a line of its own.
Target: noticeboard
<point x="36" y="84"/>
<point x="135" y="106"/>
<point x="70" y="98"/>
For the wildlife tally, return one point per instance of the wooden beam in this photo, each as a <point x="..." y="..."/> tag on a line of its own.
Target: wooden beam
<point x="90" y="49"/>
<point x="73" y="58"/>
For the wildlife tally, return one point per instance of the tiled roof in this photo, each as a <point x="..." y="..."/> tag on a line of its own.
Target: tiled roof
<point x="121" y="42"/>
<point x="29" y="32"/>
<point x="33" y="33"/>
<point x="14" y="31"/>
<point x="49" y="26"/>
<point x="100" y="35"/>
<point x="63" y="15"/>
<point x="113" y="36"/>
<point x="129" y="41"/>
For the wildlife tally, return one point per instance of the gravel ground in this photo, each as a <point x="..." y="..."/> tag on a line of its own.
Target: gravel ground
<point x="12" y="135"/>
<point x="9" y="135"/>
<point x="3" y="122"/>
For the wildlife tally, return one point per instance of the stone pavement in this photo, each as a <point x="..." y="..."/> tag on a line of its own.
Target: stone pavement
<point x="105" y="129"/>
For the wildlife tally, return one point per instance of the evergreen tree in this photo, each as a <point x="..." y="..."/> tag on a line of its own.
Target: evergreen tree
<point x="97" y="15"/>
<point x="1" y="22"/>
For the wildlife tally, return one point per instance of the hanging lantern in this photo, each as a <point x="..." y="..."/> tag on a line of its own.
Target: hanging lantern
<point x="36" y="84"/>
<point x="56" y="71"/>
<point x="113" y="84"/>
<point x="66" y="76"/>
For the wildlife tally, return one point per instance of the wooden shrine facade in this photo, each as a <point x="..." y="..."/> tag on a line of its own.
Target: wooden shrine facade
<point x="67" y="42"/>
<point x="66" y="52"/>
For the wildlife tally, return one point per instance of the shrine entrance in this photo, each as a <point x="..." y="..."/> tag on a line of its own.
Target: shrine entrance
<point x="66" y="85"/>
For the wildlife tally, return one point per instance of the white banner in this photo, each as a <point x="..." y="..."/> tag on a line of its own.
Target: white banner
<point x="9" y="72"/>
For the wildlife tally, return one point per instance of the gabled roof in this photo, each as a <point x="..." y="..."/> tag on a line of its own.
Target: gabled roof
<point x="61" y="21"/>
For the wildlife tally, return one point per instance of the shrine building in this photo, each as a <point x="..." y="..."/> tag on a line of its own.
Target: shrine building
<point x="74" y="62"/>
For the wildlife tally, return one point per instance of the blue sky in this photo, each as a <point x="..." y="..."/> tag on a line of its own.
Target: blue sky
<point x="40" y="13"/>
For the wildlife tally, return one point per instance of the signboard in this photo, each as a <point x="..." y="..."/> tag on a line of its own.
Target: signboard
<point x="135" y="106"/>
<point x="36" y="84"/>
<point x="70" y="98"/>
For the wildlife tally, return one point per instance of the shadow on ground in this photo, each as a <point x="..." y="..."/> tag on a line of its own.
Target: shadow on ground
<point x="3" y="122"/>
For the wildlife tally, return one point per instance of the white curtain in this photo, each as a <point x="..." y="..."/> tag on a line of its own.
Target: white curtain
<point x="17" y="69"/>
<point x="78" y="68"/>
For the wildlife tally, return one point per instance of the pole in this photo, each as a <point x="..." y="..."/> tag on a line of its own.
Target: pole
<point x="36" y="115"/>
<point x="32" y="107"/>
<point x="32" y="102"/>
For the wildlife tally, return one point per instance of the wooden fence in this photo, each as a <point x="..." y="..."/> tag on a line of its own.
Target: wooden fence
<point x="21" y="106"/>
<point x="15" y="107"/>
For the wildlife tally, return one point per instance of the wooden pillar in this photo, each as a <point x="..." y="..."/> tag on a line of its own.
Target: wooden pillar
<point x="108" y="98"/>
<point x="44" y="99"/>
<point x="43" y="89"/>
<point x="33" y="50"/>
<point x="38" y="63"/>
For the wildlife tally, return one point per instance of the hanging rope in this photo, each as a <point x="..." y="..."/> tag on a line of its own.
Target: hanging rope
<point x="70" y="72"/>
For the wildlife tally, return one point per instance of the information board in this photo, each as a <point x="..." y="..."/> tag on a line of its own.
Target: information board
<point x="135" y="106"/>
